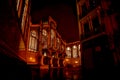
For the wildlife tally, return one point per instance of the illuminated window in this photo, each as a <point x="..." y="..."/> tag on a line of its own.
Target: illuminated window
<point x="33" y="41"/>
<point x="18" y="3"/>
<point x="79" y="52"/>
<point x="44" y="32"/>
<point x="58" y="43"/>
<point x="44" y="39"/>
<point x="45" y="54"/>
<point x="74" y="51"/>
<point x="68" y="52"/>
<point x="24" y="15"/>
<point x="52" y="37"/>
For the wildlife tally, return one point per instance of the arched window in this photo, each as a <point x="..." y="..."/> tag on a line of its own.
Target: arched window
<point x="44" y="39"/>
<point x="18" y="3"/>
<point x="68" y="52"/>
<point x="24" y="15"/>
<point x="74" y="51"/>
<point x="79" y="52"/>
<point x="19" y="6"/>
<point x="58" y="43"/>
<point x="33" y="41"/>
<point x="52" y="37"/>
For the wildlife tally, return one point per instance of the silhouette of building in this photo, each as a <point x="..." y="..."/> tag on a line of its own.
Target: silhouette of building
<point x="11" y="16"/>
<point x="97" y="29"/>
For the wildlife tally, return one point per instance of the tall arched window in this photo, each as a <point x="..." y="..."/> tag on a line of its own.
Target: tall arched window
<point x="33" y="41"/>
<point x="44" y="39"/>
<point x="18" y="3"/>
<point x="79" y="52"/>
<point x="68" y="52"/>
<point x="58" y="43"/>
<point x="19" y="7"/>
<point x="25" y="11"/>
<point x="52" y="37"/>
<point x="74" y="51"/>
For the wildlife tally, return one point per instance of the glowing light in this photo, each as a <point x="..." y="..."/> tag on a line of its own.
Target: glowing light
<point x="44" y="32"/>
<point x="68" y="48"/>
<point x="31" y="59"/>
<point x="79" y="46"/>
<point x="18" y="2"/>
<point x="66" y="59"/>
<point x="74" y="46"/>
<point x="33" y="41"/>
<point x="53" y="56"/>
<point x="45" y="54"/>
<point x="76" y="61"/>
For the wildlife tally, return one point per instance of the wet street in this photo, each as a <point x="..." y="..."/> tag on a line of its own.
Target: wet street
<point x="58" y="74"/>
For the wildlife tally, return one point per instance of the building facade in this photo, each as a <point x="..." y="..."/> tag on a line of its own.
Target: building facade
<point x="12" y="66"/>
<point x="97" y="27"/>
<point x="73" y="54"/>
<point x="45" y="45"/>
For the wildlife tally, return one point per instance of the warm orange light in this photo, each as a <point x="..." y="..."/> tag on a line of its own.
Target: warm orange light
<point x="32" y="59"/>
<point x="76" y="61"/>
<point x="74" y="47"/>
<point x="66" y="59"/>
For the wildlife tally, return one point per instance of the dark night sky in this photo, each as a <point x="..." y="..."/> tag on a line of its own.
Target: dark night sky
<point x="62" y="11"/>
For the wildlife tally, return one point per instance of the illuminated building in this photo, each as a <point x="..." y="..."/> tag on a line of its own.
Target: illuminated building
<point x="45" y="43"/>
<point x="35" y="46"/>
<point x="73" y="55"/>
<point x="26" y="47"/>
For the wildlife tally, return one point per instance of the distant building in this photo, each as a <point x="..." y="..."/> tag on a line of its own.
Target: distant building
<point x="73" y="54"/>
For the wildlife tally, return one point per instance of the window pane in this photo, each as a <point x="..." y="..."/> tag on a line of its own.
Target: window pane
<point x="68" y="52"/>
<point x="52" y="37"/>
<point x="33" y="41"/>
<point x="79" y="52"/>
<point x="58" y="43"/>
<point x="44" y="38"/>
<point x="74" y="51"/>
